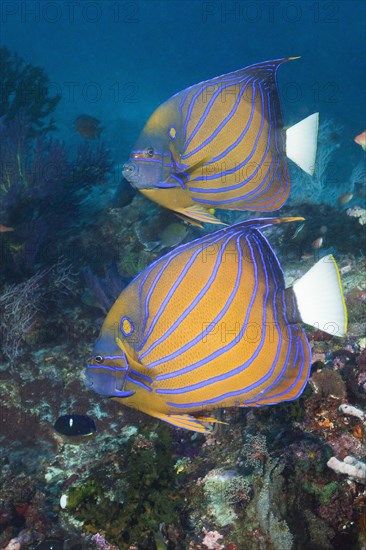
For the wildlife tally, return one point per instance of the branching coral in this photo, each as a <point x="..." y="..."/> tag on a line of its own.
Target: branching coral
<point x="25" y="87"/>
<point x="19" y="305"/>
<point x="41" y="189"/>
<point x="325" y="185"/>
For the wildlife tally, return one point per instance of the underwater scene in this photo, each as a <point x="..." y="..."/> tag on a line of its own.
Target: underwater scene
<point x="183" y="275"/>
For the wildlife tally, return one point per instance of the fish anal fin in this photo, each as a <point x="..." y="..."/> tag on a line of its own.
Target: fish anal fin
<point x="189" y="220"/>
<point x="209" y="419"/>
<point x="198" y="213"/>
<point x="186" y="421"/>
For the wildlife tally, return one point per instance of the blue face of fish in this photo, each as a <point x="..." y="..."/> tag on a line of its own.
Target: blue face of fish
<point x="148" y="168"/>
<point x="154" y="160"/>
<point x="106" y="373"/>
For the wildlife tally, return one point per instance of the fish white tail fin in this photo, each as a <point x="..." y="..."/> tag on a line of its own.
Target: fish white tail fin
<point x="319" y="297"/>
<point x="301" y="143"/>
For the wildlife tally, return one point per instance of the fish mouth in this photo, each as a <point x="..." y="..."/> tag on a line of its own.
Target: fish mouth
<point x="131" y="173"/>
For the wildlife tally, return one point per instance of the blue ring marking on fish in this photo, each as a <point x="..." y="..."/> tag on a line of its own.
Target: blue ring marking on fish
<point x="111" y="356"/>
<point x="165" y="185"/>
<point x="239" y="166"/>
<point x="106" y="367"/>
<point x="240" y="368"/>
<point x="257" y="190"/>
<point x="181" y="183"/>
<point x="256" y="195"/>
<point x="278" y="333"/>
<point x="132" y="326"/>
<point x="191" y="105"/>
<point x="235" y="77"/>
<point x="201" y="241"/>
<point x="205" y="332"/>
<point x="187" y="311"/>
<point x="229" y="346"/>
<point x="245" y="161"/>
<point x="136" y="155"/>
<point x="273" y="398"/>
<point x="262" y="189"/>
<point x="298" y="343"/>
<point x="297" y="353"/>
<point x="281" y="192"/>
<point x="164" y="303"/>
<point x="180" y="320"/>
<point x="164" y="264"/>
<point x="238" y="140"/>
<point x="243" y="197"/>
<point x="204" y="116"/>
<point x="156" y="161"/>
<point x="285" y="366"/>
<point x="294" y="307"/>
<point x="284" y="166"/>
<point x="233" y="145"/>
<point x="218" y="130"/>
<point x="140" y="375"/>
<point x="141" y="384"/>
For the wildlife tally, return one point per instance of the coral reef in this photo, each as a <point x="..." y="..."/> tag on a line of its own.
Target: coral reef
<point x="268" y="478"/>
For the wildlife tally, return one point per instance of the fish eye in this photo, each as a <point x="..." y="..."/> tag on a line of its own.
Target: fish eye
<point x="149" y="152"/>
<point x="98" y="359"/>
<point x="128" y="168"/>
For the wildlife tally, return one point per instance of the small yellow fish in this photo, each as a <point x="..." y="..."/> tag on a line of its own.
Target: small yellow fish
<point x="317" y="243"/>
<point x="361" y="140"/>
<point x="5" y="229"/>
<point x="345" y="198"/>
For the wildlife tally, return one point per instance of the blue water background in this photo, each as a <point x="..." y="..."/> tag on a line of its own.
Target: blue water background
<point x="119" y="60"/>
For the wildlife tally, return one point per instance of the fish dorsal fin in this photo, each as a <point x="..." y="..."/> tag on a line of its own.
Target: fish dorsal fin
<point x="266" y="222"/>
<point x="319" y="297"/>
<point x="265" y="70"/>
<point x="301" y="143"/>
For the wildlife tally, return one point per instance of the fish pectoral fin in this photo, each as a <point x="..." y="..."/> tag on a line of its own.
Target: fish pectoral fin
<point x="198" y="213"/>
<point x="186" y="421"/>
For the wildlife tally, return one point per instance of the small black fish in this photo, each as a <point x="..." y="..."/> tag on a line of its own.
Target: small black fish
<point x="88" y="126"/>
<point x="74" y="425"/>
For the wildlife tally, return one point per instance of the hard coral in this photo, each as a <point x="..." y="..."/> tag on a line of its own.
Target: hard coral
<point x="211" y="540"/>
<point x="328" y="383"/>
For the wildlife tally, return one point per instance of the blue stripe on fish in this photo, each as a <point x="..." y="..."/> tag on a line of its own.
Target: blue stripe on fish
<point x="202" y="334"/>
<point x="237" y="370"/>
<point x="188" y="310"/>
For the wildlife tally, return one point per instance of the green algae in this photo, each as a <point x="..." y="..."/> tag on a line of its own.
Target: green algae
<point x="150" y="495"/>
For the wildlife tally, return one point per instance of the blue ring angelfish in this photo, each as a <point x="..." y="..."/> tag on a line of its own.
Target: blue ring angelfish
<point x="126" y="325"/>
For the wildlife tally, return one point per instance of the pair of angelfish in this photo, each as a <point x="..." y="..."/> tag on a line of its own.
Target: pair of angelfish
<point x="211" y="324"/>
